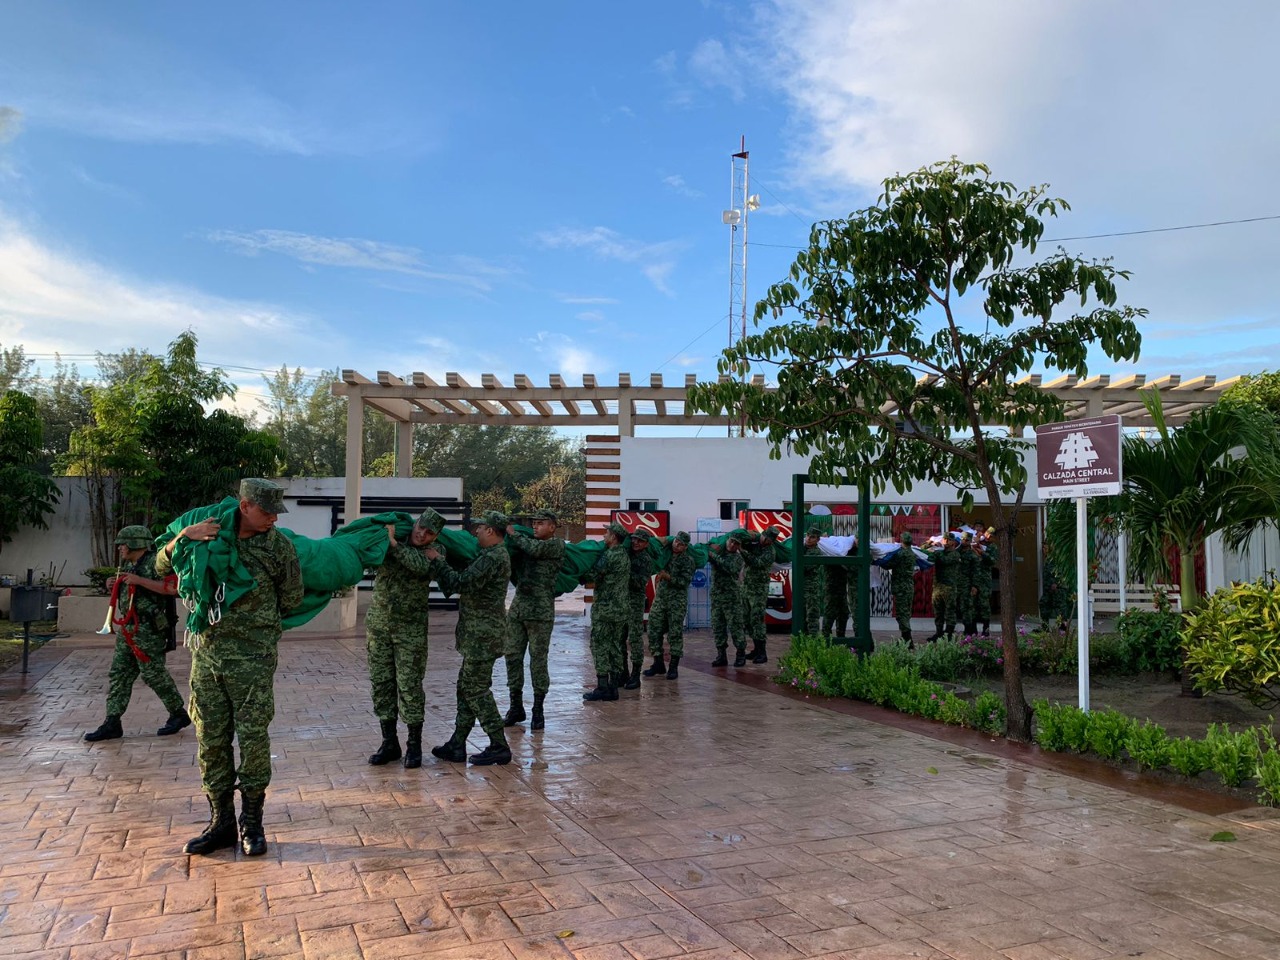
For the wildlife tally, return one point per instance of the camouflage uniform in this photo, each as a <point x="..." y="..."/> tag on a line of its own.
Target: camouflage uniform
<point x="836" y="607"/>
<point x="902" y="566"/>
<point x="535" y="564"/>
<point x="670" y="604"/>
<point x="983" y="575"/>
<point x="815" y="594"/>
<point x="396" y="629"/>
<point x="610" y="609"/>
<point x="946" y="574"/>
<point x="637" y="594"/>
<point x="151" y="638"/>
<point x="481" y="633"/>
<point x="758" y="565"/>
<point x="726" y="601"/>
<point x="964" y="586"/>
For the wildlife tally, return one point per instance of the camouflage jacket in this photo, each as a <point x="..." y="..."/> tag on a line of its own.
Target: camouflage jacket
<point x="725" y="570"/>
<point x="758" y="560"/>
<point x="535" y="564"/>
<point x="482" y="600"/>
<point x="815" y="577"/>
<point x="641" y="571"/>
<point x="611" y="597"/>
<point x="968" y="568"/>
<point x="151" y="608"/>
<point x="902" y="564"/>
<point x="250" y="627"/>
<point x="402" y="588"/>
<point x="681" y="569"/>
<point x="946" y="567"/>
<point x="985" y="571"/>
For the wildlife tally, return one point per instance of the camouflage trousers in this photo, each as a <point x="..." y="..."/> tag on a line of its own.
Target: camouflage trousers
<point x="634" y="638"/>
<point x="755" y="601"/>
<point x="726" y="622"/>
<point x="904" y="597"/>
<point x="126" y="668"/>
<point x="233" y="700"/>
<point x="534" y="636"/>
<point x="666" y="619"/>
<point x="606" y="645"/>
<point x="944" y="607"/>
<point x="980" y="606"/>
<point x="397" y="665"/>
<point x="835" y="612"/>
<point x="475" y="699"/>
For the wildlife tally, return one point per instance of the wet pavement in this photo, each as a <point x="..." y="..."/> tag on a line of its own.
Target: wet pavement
<point x="704" y="818"/>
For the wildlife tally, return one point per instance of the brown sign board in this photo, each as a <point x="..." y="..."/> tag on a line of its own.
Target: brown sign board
<point x="1079" y="458"/>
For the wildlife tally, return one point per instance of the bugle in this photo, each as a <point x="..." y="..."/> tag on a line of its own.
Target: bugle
<point x="107" y="627"/>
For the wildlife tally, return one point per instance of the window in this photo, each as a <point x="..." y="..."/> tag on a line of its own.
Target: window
<point x="645" y="505"/>
<point x="729" y="509"/>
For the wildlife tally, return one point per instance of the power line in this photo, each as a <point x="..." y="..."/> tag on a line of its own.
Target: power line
<point x="714" y="324"/>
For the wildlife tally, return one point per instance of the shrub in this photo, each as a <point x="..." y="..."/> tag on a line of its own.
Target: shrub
<point x="987" y="712"/>
<point x="1108" y="733"/>
<point x="1149" y="745"/>
<point x="98" y="577"/>
<point x="945" y="660"/>
<point x="1232" y="756"/>
<point x="1075" y="729"/>
<point x="1268" y="774"/>
<point x="1150" y="639"/>
<point x="1050" y="731"/>
<point x="1233" y="643"/>
<point x="1189" y="756"/>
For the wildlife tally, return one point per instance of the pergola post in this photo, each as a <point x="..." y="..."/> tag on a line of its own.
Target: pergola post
<point x="404" y="448"/>
<point x="355" y="455"/>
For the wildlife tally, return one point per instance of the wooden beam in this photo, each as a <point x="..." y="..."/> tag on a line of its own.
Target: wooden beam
<point x="422" y="380"/>
<point x="524" y="383"/>
<point x="557" y="383"/>
<point x="455" y="381"/>
<point x="490" y="382"/>
<point x="589" y="381"/>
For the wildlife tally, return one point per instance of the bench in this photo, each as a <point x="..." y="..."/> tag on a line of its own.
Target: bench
<point x="1104" y="598"/>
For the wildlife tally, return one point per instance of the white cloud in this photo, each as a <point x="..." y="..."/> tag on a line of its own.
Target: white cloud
<point x="10" y="123"/>
<point x="676" y="183"/>
<point x="565" y="355"/>
<point x="715" y="66"/>
<point x="359" y="254"/>
<point x="655" y="260"/>
<point x="568" y="298"/>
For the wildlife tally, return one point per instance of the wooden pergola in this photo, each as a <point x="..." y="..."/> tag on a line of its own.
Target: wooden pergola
<point x="620" y="408"/>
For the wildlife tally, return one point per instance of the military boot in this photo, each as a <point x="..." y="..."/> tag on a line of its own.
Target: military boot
<point x="633" y="680"/>
<point x="177" y="720"/>
<point x="221" y="831"/>
<point x="252" y="840"/>
<point x="454" y="750"/>
<point x="515" y="713"/>
<point x="986" y="628"/>
<point x="741" y="659"/>
<point x="413" y="747"/>
<point x="673" y="671"/>
<point x="762" y="655"/>
<point x="971" y="629"/>
<point x="497" y="752"/>
<point x="753" y="652"/>
<point x="658" y="667"/>
<point x="390" y="748"/>
<point x="906" y="637"/>
<point x="721" y="659"/>
<point x="110" y="730"/>
<point x="604" y="681"/>
<point x="537" y="723"/>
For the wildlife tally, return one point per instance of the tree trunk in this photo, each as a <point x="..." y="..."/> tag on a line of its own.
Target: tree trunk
<point x="1018" y="722"/>
<point x="1187" y="577"/>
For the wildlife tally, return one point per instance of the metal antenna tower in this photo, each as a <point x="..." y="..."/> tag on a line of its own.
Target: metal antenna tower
<point x="741" y="203"/>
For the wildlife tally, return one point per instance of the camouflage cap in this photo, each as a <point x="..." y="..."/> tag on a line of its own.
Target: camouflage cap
<point x="814" y="532"/>
<point x="618" y="530"/>
<point x="430" y="521"/>
<point x="265" y="494"/>
<point x="906" y="539"/>
<point x="492" y="518"/>
<point x="770" y="533"/>
<point x="683" y="537"/>
<point x="642" y="533"/>
<point x="545" y="515"/>
<point x="740" y="536"/>
<point x="135" y="537"/>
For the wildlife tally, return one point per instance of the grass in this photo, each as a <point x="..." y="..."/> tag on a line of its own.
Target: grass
<point x="11" y="640"/>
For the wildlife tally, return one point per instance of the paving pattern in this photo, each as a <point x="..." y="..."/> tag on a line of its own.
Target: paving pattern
<point x="700" y="818"/>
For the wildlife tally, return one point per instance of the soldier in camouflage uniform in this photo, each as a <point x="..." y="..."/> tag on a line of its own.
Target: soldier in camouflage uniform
<point x="965" y="589"/>
<point x="610" y="610"/>
<point x="835" y="612"/>
<point x="946" y="573"/>
<point x="815" y="585"/>
<point x="758" y="565"/>
<point x="535" y="564"/>
<point x="726" y="599"/>
<point x="902" y="567"/>
<point x="396" y="639"/>
<point x="233" y="665"/>
<point x="637" y="593"/>
<point x="670" y="603"/>
<point x="142" y="639"/>
<point x="982" y="580"/>
<point x="481" y="638"/>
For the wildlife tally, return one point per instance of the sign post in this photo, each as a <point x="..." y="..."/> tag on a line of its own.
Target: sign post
<point x="1079" y="459"/>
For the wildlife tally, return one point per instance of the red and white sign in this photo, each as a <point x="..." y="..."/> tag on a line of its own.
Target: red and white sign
<point x="657" y="522"/>
<point x="1079" y="458"/>
<point x="758" y="520"/>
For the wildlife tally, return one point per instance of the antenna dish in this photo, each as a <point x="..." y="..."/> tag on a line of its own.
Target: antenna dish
<point x="731" y="217"/>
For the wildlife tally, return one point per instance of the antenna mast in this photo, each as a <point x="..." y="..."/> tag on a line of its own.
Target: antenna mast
<point x="741" y="203"/>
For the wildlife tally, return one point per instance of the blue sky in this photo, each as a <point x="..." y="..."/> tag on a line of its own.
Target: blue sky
<point x="537" y="188"/>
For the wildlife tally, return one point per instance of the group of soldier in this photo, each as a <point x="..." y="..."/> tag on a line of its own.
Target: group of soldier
<point x="962" y="580"/>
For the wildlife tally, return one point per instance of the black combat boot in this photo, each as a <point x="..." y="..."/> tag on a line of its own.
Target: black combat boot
<point x="110" y="730"/>
<point x="657" y="668"/>
<point x="741" y="659"/>
<point x="515" y="713"/>
<point x="454" y="750"/>
<point x="537" y="723"/>
<point x="939" y="627"/>
<point x="762" y="655"/>
<point x="413" y="747"/>
<point x="971" y="629"/>
<point x="986" y="628"/>
<point x="673" y="671"/>
<point x="390" y="748"/>
<point x="753" y="652"/>
<point x="252" y="840"/>
<point x="221" y="831"/>
<point x="177" y="720"/>
<point x="906" y="637"/>
<point x="497" y="752"/>
<point x="604" y="681"/>
<point x="721" y="660"/>
<point x="633" y="680"/>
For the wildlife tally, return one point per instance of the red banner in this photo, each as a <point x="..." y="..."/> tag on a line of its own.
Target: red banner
<point x="657" y="522"/>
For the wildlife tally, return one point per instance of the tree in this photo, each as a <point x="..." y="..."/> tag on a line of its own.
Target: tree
<point x="1217" y="473"/>
<point x="1259" y="389"/>
<point x="15" y="369"/>
<point x="65" y="405"/>
<point x="877" y="377"/>
<point x="26" y="497"/>
<point x="308" y="422"/>
<point x="563" y="489"/>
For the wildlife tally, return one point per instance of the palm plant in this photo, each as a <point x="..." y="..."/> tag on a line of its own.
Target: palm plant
<point x="1217" y="473"/>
